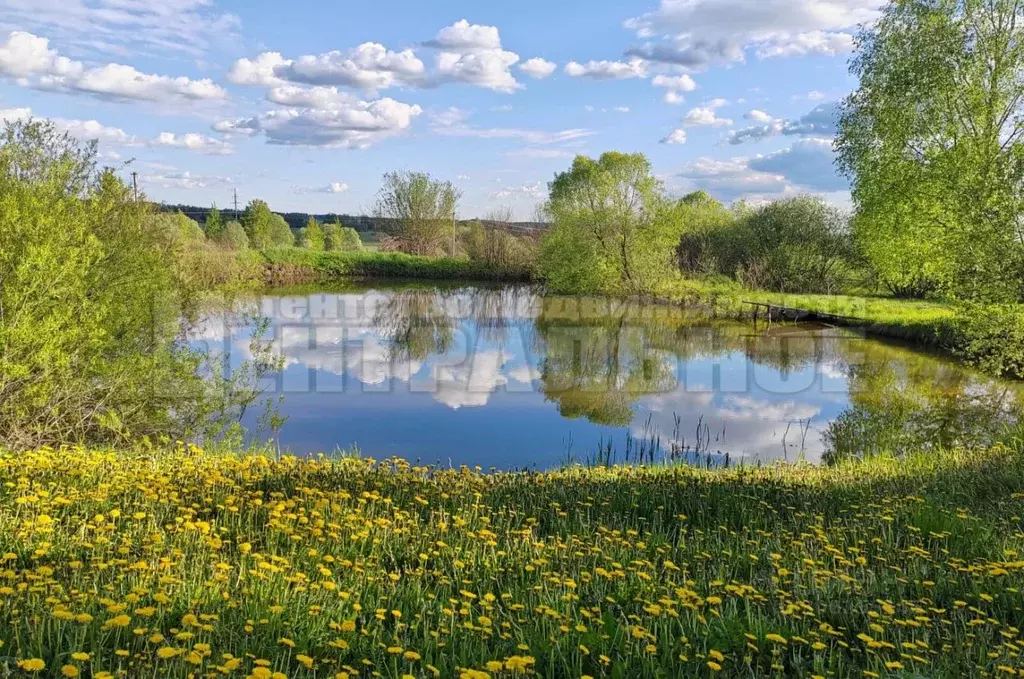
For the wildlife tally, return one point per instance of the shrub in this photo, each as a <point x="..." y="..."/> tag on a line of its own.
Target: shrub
<point x="256" y="221"/>
<point x="280" y="233"/>
<point x="499" y="248"/>
<point x="234" y="237"/>
<point x="90" y="301"/>
<point x="333" y="265"/>
<point x="350" y="240"/>
<point x="708" y="245"/>
<point x="990" y="336"/>
<point x="311" y="236"/>
<point x="795" y="245"/>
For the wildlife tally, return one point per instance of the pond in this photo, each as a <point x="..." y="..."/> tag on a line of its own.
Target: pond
<point x="509" y="378"/>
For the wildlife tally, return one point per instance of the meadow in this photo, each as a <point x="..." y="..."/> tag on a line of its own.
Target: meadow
<point x="182" y="563"/>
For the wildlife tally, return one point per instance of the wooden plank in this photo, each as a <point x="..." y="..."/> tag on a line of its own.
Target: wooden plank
<point x="797" y="314"/>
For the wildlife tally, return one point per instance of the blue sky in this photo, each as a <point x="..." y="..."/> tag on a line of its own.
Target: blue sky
<point x="307" y="104"/>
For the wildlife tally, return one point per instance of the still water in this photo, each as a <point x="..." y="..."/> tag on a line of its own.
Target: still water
<point x="509" y="378"/>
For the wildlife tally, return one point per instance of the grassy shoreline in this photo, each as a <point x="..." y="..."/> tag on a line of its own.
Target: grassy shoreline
<point x="912" y="320"/>
<point x="299" y="265"/>
<point x="179" y="562"/>
<point x="987" y="339"/>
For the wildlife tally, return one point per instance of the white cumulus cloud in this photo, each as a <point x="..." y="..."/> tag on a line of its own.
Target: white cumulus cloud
<point x="706" y="116"/>
<point x="29" y="60"/>
<point x="607" y="70"/>
<point x="697" y="33"/>
<point x="355" y="124"/>
<point x="678" y="136"/>
<point x="462" y="36"/>
<point x="538" y="68"/>
<point x="193" y="142"/>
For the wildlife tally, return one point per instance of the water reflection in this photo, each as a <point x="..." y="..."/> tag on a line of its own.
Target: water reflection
<point x="505" y="377"/>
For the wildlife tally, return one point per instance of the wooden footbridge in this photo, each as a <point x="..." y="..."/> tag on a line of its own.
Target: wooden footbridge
<point x="777" y="312"/>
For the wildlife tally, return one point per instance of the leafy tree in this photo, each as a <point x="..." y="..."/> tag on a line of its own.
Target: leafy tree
<point x="799" y="244"/>
<point x="932" y="141"/>
<point x="175" y="228"/>
<point x="332" y="235"/>
<point x="214" y="223"/>
<point x="234" y="236"/>
<point x="89" y="312"/>
<point x="257" y="220"/>
<point x="423" y="208"/>
<point x="350" y="240"/>
<point x="312" y="235"/>
<point x="280" y="233"/>
<point x="707" y="246"/>
<point x="496" y="246"/>
<point x="613" y="228"/>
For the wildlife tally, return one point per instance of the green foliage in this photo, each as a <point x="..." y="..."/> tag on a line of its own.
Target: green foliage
<point x="795" y="245"/>
<point x="350" y="240"/>
<point x="234" y="236"/>
<point x="257" y="221"/>
<point x="332" y="236"/>
<point x="214" y="225"/>
<point x="175" y="229"/>
<point x="613" y="229"/>
<point x="89" y="294"/>
<point x="296" y="264"/>
<point x="991" y="336"/>
<point x="311" y="236"/>
<point x="424" y="209"/>
<point x="931" y="140"/>
<point x="710" y="242"/>
<point x="499" y="248"/>
<point x="280" y="233"/>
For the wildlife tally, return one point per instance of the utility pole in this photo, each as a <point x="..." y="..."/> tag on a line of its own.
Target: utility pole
<point x="135" y="185"/>
<point x="236" y="205"/>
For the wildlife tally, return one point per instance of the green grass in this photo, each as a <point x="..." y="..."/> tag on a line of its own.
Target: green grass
<point x="914" y="320"/>
<point x="185" y="563"/>
<point x="295" y="264"/>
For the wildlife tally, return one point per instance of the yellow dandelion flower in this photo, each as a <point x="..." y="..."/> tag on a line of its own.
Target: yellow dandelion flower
<point x="32" y="665"/>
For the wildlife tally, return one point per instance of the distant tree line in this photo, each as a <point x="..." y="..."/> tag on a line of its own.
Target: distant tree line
<point x="361" y="223"/>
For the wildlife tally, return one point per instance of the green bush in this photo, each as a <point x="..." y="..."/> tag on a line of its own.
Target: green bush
<point x="797" y="245"/>
<point x="234" y="237"/>
<point x="499" y="248"/>
<point x="990" y="336"/>
<point x="311" y="236"/>
<point x="90" y="298"/>
<point x="350" y="240"/>
<point x="280" y="233"/>
<point x="214" y="224"/>
<point x="330" y="265"/>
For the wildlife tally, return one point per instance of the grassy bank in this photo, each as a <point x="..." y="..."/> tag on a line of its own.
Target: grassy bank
<point x="185" y="563"/>
<point x="299" y="265"/>
<point x="914" y="320"/>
